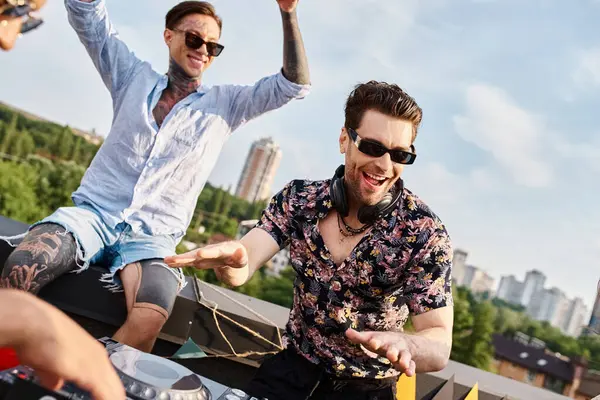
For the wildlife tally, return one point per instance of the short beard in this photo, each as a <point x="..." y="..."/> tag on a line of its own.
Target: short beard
<point x="355" y="196"/>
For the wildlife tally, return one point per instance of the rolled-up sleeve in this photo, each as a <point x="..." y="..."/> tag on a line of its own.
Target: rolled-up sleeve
<point x="269" y="93"/>
<point x="111" y="57"/>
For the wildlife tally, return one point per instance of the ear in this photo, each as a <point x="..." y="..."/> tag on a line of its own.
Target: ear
<point x="343" y="140"/>
<point x="168" y="36"/>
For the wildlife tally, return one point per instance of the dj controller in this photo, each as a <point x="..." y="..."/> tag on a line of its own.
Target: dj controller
<point x="144" y="376"/>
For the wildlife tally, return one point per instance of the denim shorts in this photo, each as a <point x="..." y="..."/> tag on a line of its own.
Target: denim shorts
<point x="105" y="246"/>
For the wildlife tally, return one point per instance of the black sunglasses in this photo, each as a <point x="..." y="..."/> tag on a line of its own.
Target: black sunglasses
<point x="194" y="42"/>
<point x="375" y="149"/>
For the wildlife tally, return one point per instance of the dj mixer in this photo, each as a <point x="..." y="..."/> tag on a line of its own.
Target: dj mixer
<point x="144" y="376"/>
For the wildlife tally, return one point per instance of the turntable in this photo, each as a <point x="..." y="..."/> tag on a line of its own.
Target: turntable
<point x="144" y="376"/>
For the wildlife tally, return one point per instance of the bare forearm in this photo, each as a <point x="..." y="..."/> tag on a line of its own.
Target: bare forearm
<point x="295" y="63"/>
<point x="18" y="315"/>
<point x="429" y="350"/>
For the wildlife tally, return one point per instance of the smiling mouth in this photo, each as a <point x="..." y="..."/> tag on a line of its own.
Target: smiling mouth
<point x="196" y="62"/>
<point x="374" y="180"/>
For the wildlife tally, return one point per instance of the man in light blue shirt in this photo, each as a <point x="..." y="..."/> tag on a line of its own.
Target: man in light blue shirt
<point x="137" y="198"/>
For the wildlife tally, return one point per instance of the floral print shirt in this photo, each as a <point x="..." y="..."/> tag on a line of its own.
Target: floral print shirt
<point x="400" y="267"/>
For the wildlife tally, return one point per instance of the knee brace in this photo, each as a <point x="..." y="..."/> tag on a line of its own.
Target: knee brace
<point x="157" y="287"/>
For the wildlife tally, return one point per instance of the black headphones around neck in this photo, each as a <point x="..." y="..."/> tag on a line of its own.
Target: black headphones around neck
<point x="366" y="214"/>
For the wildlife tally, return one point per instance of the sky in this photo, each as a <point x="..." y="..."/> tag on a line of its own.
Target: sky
<point x="509" y="148"/>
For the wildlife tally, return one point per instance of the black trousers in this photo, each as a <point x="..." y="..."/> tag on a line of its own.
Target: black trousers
<point x="289" y="376"/>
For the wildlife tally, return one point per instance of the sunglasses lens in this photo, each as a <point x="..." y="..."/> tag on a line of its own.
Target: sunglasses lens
<point x="402" y="157"/>
<point x="193" y="41"/>
<point x="214" y="49"/>
<point x="371" y="149"/>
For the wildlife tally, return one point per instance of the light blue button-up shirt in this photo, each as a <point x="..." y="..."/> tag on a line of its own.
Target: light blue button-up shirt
<point x="151" y="177"/>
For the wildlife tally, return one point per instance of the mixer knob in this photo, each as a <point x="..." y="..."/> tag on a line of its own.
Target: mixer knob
<point x="232" y="397"/>
<point x="150" y="393"/>
<point x="164" y="396"/>
<point x="135" y="388"/>
<point x="238" y="392"/>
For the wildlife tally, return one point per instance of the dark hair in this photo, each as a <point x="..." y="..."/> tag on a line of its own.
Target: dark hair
<point x="384" y="97"/>
<point x="185" y="8"/>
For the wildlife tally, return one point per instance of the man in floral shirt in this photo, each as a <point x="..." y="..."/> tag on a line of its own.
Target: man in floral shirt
<point x="368" y="254"/>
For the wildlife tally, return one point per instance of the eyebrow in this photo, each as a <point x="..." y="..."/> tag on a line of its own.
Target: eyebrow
<point x="381" y="144"/>
<point x="197" y="33"/>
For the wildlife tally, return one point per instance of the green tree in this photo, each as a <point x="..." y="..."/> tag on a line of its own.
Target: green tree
<point x="63" y="143"/>
<point x="463" y="327"/>
<point x="255" y="210"/>
<point x="17" y="196"/>
<point x="507" y="320"/>
<point x="9" y="133"/>
<point x="480" y="348"/>
<point x="64" y="180"/>
<point x="226" y="204"/>
<point x="22" y="145"/>
<point x="239" y="208"/>
<point x="279" y="290"/>
<point x="76" y="151"/>
<point x="215" y="202"/>
<point x="504" y="304"/>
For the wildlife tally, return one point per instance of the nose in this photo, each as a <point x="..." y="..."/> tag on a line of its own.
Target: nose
<point x="203" y="50"/>
<point x="384" y="163"/>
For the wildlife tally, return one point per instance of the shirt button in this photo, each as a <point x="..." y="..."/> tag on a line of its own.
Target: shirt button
<point x="150" y="164"/>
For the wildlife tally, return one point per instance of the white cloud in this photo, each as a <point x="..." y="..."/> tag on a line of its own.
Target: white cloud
<point x="495" y="123"/>
<point x="587" y="71"/>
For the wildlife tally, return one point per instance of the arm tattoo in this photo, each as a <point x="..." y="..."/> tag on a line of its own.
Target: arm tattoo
<point x="295" y="63"/>
<point x="46" y="253"/>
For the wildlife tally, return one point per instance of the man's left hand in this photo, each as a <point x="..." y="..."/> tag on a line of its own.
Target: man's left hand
<point x="287" y="5"/>
<point x="391" y="345"/>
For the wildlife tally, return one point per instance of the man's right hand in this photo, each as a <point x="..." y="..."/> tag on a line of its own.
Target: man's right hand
<point x="234" y="262"/>
<point x="57" y="348"/>
<point x="227" y="254"/>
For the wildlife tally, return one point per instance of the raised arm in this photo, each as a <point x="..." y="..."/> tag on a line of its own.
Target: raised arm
<point x="272" y="92"/>
<point x="111" y="57"/>
<point x="295" y="63"/>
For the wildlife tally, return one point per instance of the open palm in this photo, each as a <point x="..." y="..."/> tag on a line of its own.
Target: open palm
<point x="386" y="344"/>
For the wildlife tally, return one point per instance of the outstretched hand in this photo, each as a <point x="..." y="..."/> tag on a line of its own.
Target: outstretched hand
<point x="391" y="345"/>
<point x="287" y="5"/>
<point x="226" y="254"/>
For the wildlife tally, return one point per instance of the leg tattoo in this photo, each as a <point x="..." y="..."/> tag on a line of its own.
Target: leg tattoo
<point x="47" y="252"/>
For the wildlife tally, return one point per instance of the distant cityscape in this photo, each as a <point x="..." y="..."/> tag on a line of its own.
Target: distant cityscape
<point x="540" y="303"/>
